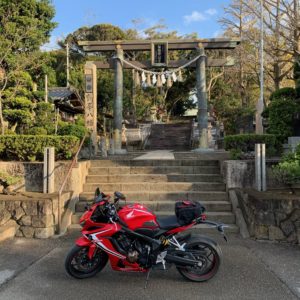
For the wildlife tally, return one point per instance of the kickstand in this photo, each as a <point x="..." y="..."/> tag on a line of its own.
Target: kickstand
<point x="147" y="278"/>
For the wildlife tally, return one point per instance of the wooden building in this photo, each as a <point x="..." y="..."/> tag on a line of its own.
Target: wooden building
<point x="68" y="101"/>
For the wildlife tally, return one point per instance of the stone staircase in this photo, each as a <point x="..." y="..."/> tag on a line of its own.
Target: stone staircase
<point x="158" y="184"/>
<point x="169" y="137"/>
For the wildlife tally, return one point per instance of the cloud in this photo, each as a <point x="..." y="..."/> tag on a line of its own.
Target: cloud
<point x="211" y="11"/>
<point x="217" y="33"/>
<point x="197" y="16"/>
<point x="52" y="44"/>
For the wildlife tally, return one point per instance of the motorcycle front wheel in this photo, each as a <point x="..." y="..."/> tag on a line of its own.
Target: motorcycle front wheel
<point x="209" y="258"/>
<point x="78" y="264"/>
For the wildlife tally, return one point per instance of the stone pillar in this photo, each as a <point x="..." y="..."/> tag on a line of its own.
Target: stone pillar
<point x="202" y="100"/>
<point x="49" y="165"/>
<point x="118" y="103"/>
<point x="260" y="167"/>
<point x="90" y="72"/>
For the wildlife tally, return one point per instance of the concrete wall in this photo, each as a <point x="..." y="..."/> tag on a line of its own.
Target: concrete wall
<point x="32" y="174"/>
<point x="241" y="174"/>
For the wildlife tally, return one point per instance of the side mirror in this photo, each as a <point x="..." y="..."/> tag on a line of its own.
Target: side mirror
<point x="97" y="192"/>
<point x="98" y="195"/>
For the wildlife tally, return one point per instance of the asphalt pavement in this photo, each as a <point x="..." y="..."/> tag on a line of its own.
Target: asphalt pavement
<point x="34" y="269"/>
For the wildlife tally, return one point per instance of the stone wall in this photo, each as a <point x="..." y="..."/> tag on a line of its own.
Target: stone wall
<point x="272" y="215"/>
<point x="241" y="174"/>
<point x="30" y="213"/>
<point x="30" y="216"/>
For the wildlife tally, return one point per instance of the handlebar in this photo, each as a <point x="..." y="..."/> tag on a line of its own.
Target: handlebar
<point x="219" y="226"/>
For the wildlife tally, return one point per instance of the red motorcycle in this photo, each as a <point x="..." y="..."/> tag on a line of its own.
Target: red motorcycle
<point x="133" y="239"/>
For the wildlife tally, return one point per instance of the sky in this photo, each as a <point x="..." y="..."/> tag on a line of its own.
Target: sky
<point x="185" y="16"/>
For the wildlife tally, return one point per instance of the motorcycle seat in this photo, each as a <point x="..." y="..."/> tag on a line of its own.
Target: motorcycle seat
<point x="168" y="222"/>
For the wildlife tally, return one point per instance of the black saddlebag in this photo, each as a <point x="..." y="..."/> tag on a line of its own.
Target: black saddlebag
<point x="187" y="211"/>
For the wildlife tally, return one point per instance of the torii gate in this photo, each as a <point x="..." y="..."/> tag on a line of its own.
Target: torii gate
<point x="159" y="58"/>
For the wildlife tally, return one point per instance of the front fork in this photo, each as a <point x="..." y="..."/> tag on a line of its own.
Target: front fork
<point x="85" y="242"/>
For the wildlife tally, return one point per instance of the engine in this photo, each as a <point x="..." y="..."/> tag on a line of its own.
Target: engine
<point x="137" y="251"/>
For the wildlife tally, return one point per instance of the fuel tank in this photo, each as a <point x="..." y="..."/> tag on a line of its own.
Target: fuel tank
<point x="138" y="216"/>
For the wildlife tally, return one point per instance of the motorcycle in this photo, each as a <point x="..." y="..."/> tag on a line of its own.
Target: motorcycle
<point x="134" y="239"/>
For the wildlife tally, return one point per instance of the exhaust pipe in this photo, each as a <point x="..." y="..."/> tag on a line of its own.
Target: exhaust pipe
<point x="180" y="261"/>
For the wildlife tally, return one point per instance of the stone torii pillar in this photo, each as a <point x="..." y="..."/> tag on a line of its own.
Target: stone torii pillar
<point x="202" y="100"/>
<point x="90" y="72"/>
<point x="118" y="102"/>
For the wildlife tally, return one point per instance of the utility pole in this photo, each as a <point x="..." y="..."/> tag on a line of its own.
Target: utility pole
<point x="68" y="64"/>
<point x="46" y="88"/>
<point x="260" y="104"/>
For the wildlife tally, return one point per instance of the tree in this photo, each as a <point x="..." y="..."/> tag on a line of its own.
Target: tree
<point x="24" y="26"/>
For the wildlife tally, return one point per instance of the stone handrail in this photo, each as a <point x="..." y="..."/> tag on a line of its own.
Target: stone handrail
<point x="140" y="134"/>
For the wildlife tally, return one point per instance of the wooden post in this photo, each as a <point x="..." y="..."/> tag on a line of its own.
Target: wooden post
<point x="90" y="72"/>
<point x="118" y="103"/>
<point x="202" y="99"/>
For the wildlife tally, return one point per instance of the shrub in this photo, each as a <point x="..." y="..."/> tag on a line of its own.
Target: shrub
<point x="244" y="143"/>
<point x="280" y="115"/>
<point x="9" y="179"/>
<point x="37" y="131"/>
<point x="280" y="112"/>
<point x="72" y="129"/>
<point x="286" y="93"/>
<point x="236" y="154"/>
<point x="288" y="170"/>
<point x="45" y="117"/>
<point x="31" y="147"/>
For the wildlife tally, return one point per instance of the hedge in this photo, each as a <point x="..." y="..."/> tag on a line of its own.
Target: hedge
<point x="246" y="143"/>
<point x="31" y="147"/>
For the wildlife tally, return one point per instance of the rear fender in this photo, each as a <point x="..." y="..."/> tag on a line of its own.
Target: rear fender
<point x="196" y="239"/>
<point x="84" y="242"/>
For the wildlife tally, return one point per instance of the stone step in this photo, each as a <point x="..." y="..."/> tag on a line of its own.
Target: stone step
<point x="222" y="217"/>
<point x="152" y="186"/>
<point x="154" y="162"/>
<point x="169" y="205"/>
<point x="154" y="170"/>
<point x="141" y="196"/>
<point x="153" y="178"/>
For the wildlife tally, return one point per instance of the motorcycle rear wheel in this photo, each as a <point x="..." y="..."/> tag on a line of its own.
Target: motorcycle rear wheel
<point x="78" y="265"/>
<point x="209" y="257"/>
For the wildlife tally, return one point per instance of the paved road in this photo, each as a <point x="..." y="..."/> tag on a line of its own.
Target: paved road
<point x="251" y="270"/>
